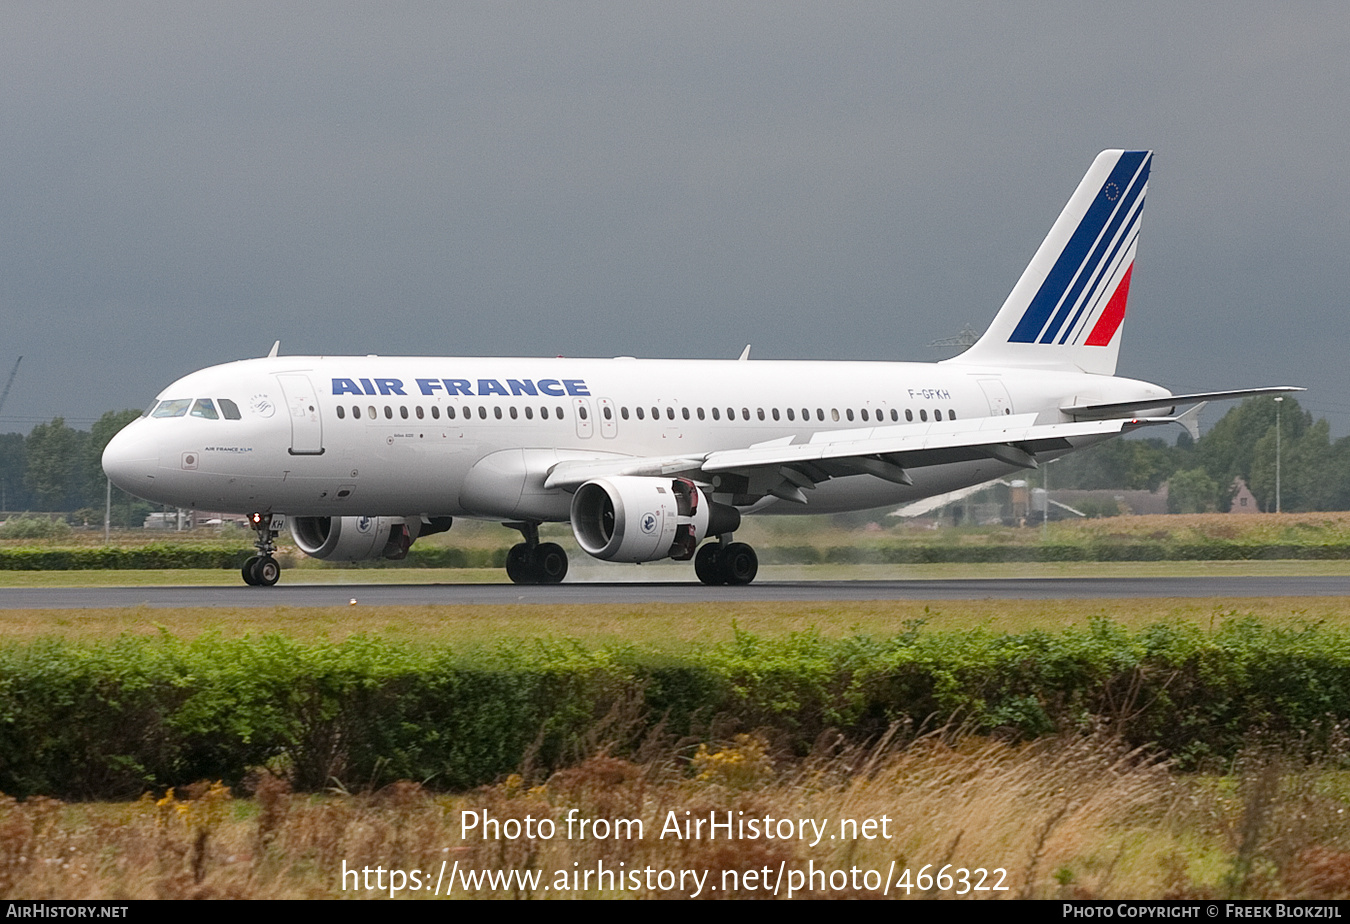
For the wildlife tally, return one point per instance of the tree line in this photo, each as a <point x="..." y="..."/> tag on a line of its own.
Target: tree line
<point x="57" y="468"/>
<point x="1201" y="474"/>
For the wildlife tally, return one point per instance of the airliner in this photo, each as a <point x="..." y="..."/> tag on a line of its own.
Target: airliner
<point x="648" y="459"/>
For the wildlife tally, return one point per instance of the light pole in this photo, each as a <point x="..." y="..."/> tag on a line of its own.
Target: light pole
<point x="1278" y="402"/>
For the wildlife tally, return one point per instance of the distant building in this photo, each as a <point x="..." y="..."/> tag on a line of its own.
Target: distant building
<point x="1244" y="501"/>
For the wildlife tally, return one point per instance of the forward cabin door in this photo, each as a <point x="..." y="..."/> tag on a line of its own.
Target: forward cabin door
<point x="302" y="403"/>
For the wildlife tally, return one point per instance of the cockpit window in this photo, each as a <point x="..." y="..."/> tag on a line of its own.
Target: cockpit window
<point x="228" y="408"/>
<point x="204" y="408"/>
<point x="175" y="407"/>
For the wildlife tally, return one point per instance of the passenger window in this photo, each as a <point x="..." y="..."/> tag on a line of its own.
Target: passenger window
<point x="482" y="412"/>
<point x="951" y="415"/>
<point x="923" y="415"/>
<point x="731" y="413"/>
<point x="356" y="412"/>
<point x="205" y="409"/>
<point x="641" y="414"/>
<point x="581" y="411"/>
<point x="497" y="412"/>
<point x="937" y="413"/>
<point x="543" y="413"/>
<point x="342" y="412"/>
<point x="775" y="413"/>
<point x="820" y="413"/>
<point x="863" y="412"/>
<point x="717" y="415"/>
<point x="403" y="411"/>
<point x="745" y="413"/>
<point x="685" y="412"/>
<point x="529" y="412"/>
<point x="514" y="412"/>
<point x="656" y="413"/>
<point x="670" y="413"/>
<point x="228" y="408"/>
<point x="609" y="415"/>
<point x="849" y="413"/>
<point x="560" y="413"/>
<point x="176" y="407"/>
<point x="374" y="414"/>
<point x="388" y="412"/>
<point x="760" y="411"/>
<point x="895" y="415"/>
<point x="700" y="413"/>
<point x="623" y="412"/>
<point x="420" y="413"/>
<point x="834" y="414"/>
<point x="909" y="415"/>
<point x="791" y="415"/>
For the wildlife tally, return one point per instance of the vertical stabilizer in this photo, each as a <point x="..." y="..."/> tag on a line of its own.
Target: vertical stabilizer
<point x="1067" y="310"/>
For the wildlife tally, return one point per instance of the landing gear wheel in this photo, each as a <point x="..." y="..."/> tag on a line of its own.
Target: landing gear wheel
<point x="519" y="566"/>
<point x="550" y="563"/>
<point x="247" y="572"/>
<point x="740" y="564"/>
<point x="708" y="564"/>
<point x="266" y="572"/>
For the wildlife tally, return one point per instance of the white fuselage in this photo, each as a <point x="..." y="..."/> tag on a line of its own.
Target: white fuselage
<point x="407" y="436"/>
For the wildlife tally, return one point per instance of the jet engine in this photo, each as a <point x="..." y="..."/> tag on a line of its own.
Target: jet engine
<point x="358" y="538"/>
<point x="634" y="519"/>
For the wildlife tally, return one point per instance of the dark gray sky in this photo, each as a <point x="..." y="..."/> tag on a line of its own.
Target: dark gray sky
<point x="184" y="183"/>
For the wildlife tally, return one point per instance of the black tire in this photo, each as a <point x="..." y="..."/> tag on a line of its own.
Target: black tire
<point x="267" y="571"/>
<point x="550" y="563"/>
<point x="740" y="564"/>
<point x="708" y="564"/>
<point x="250" y="578"/>
<point x="519" y="567"/>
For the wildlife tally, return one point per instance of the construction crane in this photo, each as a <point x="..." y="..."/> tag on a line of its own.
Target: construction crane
<point x="13" y="372"/>
<point x="964" y="340"/>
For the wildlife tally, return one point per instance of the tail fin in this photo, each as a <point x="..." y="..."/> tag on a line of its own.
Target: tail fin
<point x="1066" y="310"/>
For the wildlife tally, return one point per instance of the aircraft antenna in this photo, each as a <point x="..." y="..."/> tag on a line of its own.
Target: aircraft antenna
<point x="13" y="372"/>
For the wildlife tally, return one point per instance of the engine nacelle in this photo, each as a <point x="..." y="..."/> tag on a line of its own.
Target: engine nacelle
<point x="355" y="538"/>
<point x="631" y="518"/>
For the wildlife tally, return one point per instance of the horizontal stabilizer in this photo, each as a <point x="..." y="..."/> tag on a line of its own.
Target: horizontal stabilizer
<point x="1105" y="411"/>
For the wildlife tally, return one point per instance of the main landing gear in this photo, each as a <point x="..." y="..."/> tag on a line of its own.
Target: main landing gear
<point x="533" y="562"/>
<point x="724" y="562"/>
<point x="262" y="570"/>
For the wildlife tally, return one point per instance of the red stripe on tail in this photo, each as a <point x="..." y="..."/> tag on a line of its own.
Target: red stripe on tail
<point x="1109" y="322"/>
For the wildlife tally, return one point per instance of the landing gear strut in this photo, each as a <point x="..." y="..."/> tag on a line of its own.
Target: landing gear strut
<point x="725" y="562"/>
<point x="262" y="570"/>
<point x="532" y="562"/>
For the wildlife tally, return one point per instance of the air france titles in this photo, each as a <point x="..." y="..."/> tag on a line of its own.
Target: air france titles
<point x="481" y="388"/>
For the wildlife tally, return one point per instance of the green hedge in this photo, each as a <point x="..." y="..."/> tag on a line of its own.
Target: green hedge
<point x="159" y="556"/>
<point x="1103" y="551"/>
<point x="111" y="720"/>
<point x="156" y="556"/>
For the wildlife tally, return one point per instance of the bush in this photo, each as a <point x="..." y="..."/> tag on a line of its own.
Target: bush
<point x="111" y="720"/>
<point x="31" y="527"/>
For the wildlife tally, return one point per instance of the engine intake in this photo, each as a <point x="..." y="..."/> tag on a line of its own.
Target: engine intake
<point x="635" y="519"/>
<point x="355" y="538"/>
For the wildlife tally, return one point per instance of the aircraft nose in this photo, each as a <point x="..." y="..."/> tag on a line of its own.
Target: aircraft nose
<point x="130" y="460"/>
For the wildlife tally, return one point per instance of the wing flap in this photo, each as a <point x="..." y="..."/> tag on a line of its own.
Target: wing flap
<point x="884" y="452"/>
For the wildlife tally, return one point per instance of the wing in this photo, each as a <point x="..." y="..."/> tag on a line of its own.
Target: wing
<point x="786" y="469"/>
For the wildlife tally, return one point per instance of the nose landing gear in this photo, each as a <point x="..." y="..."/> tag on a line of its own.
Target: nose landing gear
<point x="262" y="570"/>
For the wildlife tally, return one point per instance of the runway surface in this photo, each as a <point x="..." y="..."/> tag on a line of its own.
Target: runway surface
<point x="297" y="594"/>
